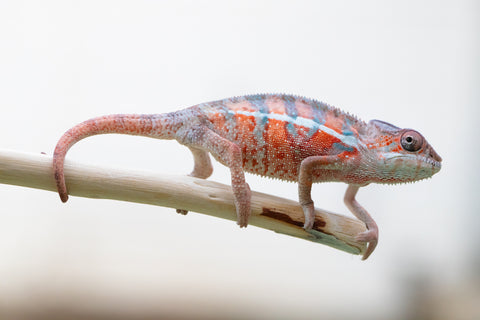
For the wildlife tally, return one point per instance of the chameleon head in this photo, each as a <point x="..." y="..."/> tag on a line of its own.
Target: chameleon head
<point x="402" y="155"/>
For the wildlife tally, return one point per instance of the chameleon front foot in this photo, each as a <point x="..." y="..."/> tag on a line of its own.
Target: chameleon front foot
<point x="371" y="235"/>
<point x="309" y="213"/>
<point x="371" y="238"/>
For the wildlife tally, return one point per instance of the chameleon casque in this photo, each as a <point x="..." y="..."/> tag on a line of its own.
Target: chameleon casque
<point x="280" y="136"/>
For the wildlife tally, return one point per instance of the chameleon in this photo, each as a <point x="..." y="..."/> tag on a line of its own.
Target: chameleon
<point x="287" y="137"/>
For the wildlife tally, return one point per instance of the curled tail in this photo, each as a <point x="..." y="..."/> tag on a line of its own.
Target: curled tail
<point x="161" y="126"/>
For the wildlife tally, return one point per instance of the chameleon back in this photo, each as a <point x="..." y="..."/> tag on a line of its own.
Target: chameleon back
<point x="276" y="132"/>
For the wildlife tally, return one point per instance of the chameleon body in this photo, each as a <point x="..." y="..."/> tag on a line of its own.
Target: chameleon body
<point x="280" y="136"/>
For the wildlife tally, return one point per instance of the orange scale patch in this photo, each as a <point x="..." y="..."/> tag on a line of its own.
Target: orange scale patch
<point x="301" y="130"/>
<point x="245" y="123"/>
<point x="322" y="142"/>
<point x="276" y="133"/>
<point x="397" y="149"/>
<point x="218" y="120"/>
<point x="277" y="155"/>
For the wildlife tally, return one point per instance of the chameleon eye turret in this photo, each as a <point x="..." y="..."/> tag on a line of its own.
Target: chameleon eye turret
<point x="412" y="141"/>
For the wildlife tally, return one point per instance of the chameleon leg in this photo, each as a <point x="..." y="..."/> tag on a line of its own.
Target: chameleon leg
<point x="202" y="167"/>
<point x="371" y="235"/>
<point x="228" y="153"/>
<point x="305" y="180"/>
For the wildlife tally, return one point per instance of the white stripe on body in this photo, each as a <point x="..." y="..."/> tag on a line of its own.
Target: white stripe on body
<point x="300" y="121"/>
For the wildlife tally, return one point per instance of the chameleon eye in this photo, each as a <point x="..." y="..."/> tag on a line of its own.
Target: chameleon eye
<point x="411" y="141"/>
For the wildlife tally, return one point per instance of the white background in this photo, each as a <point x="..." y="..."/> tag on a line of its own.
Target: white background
<point x="412" y="63"/>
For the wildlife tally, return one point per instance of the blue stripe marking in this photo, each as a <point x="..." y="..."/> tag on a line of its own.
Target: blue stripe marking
<point x="258" y="101"/>
<point x="312" y="130"/>
<point x="318" y="109"/>
<point x="261" y="117"/>
<point x="261" y="121"/>
<point x="291" y="129"/>
<point x="290" y="111"/>
<point x="346" y="127"/>
<point x="343" y="147"/>
<point x="290" y="108"/>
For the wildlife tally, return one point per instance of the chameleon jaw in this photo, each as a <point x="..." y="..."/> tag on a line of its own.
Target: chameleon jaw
<point x="402" y="168"/>
<point x="414" y="158"/>
<point x="436" y="164"/>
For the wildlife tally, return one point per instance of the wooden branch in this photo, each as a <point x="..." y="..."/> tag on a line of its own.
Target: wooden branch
<point x="183" y="192"/>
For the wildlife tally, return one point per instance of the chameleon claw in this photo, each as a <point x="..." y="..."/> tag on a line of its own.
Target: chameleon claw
<point x="371" y="238"/>
<point x="182" y="211"/>
<point x="64" y="197"/>
<point x="242" y="216"/>
<point x="242" y="224"/>
<point x="309" y="212"/>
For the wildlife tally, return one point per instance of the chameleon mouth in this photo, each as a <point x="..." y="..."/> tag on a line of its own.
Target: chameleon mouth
<point x="434" y="163"/>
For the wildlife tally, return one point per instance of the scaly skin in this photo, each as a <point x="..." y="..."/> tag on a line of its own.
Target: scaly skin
<point x="279" y="136"/>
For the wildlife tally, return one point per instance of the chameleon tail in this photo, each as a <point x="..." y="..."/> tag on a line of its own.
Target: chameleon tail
<point x="159" y="126"/>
